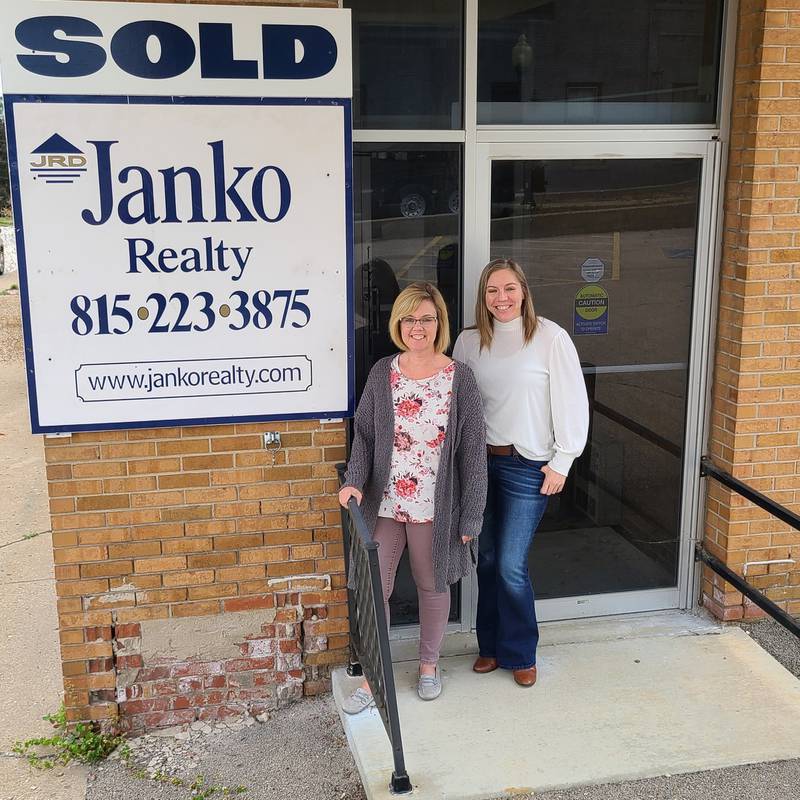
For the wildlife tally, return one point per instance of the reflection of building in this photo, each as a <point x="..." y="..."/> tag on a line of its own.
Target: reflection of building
<point x="607" y="71"/>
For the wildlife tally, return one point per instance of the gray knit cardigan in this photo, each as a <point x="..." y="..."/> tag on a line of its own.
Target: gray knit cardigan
<point x="460" y="494"/>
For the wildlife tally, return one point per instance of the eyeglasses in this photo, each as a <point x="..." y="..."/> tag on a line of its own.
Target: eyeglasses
<point x="426" y="322"/>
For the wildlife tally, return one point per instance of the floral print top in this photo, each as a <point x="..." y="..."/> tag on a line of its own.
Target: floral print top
<point x="421" y="409"/>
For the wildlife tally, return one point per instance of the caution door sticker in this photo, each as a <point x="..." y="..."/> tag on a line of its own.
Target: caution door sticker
<point x="591" y="311"/>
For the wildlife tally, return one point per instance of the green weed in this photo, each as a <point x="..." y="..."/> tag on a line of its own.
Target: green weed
<point x="83" y="743"/>
<point x="197" y="787"/>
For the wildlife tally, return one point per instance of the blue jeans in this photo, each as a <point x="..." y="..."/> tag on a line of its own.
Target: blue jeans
<point x="506" y="624"/>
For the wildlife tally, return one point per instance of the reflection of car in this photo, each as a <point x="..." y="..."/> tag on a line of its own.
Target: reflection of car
<point x="418" y="200"/>
<point x="412" y="183"/>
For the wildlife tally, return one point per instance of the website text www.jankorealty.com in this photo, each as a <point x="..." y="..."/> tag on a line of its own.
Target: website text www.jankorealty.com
<point x="195" y="378"/>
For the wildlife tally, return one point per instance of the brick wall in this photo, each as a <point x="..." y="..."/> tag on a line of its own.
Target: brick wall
<point x="191" y="522"/>
<point x="755" y="430"/>
<point x="276" y="664"/>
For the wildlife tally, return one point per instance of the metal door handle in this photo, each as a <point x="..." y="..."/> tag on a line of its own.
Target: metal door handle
<point x="375" y="311"/>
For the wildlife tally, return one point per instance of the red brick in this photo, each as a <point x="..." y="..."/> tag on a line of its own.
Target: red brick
<point x="249" y="603"/>
<point x="247" y="664"/>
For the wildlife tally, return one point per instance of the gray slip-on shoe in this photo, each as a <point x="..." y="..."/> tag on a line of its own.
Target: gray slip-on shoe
<point x="429" y="686"/>
<point x="357" y="701"/>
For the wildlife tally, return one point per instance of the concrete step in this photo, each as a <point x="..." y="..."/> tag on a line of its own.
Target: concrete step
<point x="617" y="699"/>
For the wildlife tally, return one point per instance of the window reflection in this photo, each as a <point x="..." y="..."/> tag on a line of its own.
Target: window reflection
<point x="407" y="228"/>
<point x="618" y="61"/>
<point x="407" y="64"/>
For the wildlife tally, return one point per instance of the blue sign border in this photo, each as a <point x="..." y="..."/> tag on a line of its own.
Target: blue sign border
<point x="11" y="99"/>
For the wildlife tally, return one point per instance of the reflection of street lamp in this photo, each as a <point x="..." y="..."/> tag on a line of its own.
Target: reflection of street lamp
<point x="522" y="61"/>
<point x="522" y="54"/>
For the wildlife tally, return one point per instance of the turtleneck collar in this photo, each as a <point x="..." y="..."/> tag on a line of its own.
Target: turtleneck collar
<point x="513" y="326"/>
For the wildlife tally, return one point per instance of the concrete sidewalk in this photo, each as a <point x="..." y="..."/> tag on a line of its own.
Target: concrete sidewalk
<point x="30" y="663"/>
<point x="609" y="710"/>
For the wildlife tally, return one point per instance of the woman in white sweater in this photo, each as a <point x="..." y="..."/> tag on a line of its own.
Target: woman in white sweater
<point x="537" y="418"/>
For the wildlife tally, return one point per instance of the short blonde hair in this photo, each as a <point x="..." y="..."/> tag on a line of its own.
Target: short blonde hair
<point x="484" y="321"/>
<point x="407" y="303"/>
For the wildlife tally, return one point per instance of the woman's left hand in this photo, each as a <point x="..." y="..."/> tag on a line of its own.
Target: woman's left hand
<point x="465" y="539"/>
<point x="553" y="481"/>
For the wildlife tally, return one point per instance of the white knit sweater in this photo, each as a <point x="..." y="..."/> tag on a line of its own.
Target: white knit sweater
<point x="534" y="395"/>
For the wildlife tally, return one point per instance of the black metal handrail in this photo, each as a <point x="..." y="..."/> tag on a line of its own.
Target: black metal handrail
<point x="709" y="470"/>
<point x="369" y="631"/>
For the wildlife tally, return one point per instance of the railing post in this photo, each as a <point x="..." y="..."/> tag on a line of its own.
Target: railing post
<point x="353" y="664"/>
<point x="400" y="782"/>
<point x="369" y="632"/>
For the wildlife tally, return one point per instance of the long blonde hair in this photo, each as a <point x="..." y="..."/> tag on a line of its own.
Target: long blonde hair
<point x="407" y="303"/>
<point x="484" y="321"/>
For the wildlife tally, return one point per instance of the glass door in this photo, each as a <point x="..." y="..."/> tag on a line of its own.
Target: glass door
<point x="407" y="229"/>
<point x="612" y="245"/>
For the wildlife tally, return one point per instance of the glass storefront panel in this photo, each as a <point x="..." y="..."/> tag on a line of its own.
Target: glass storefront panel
<point x="621" y="231"/>
<point x="570" y="62"/>
<point x="407" y="61"/>
<point x="407" y="228"/>
<point x="609" y="249"/>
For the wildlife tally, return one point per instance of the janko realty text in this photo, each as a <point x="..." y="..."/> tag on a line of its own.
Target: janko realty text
<point x="133" y="194"/>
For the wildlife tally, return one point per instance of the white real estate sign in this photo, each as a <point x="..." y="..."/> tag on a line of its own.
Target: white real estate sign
<point x="182" y="195"/>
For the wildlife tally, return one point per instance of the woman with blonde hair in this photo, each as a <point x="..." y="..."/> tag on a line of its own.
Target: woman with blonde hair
<point x="537" y="419"/>
<point x="417" y="468"/>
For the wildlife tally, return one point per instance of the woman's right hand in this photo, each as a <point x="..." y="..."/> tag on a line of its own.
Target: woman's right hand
<point x="346" y="492"/>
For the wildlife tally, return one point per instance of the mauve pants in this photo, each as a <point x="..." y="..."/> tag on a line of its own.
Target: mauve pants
<point x="434" y="607"/>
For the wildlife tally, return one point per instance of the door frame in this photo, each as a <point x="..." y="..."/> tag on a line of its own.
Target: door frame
<point x="498" y="145"/>
<point x="713" y="138"/>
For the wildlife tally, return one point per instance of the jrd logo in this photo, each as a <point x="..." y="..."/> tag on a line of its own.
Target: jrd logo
<point x="60" y="50"/>
<point x="58" y="161"/>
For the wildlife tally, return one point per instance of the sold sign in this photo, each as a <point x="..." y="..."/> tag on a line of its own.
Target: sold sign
<point x="182" y="195"/>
